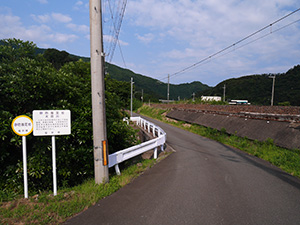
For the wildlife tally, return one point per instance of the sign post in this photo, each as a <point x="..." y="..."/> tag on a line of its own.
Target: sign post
<point x="52" y="123"/>
<point x="23" y="126"/>
<point x="54" y="166"/>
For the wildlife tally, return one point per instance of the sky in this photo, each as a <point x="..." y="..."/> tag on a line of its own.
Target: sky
<point x="161" y="37"/>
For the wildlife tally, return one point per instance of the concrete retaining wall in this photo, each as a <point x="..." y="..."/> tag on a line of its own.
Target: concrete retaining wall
<point x="284" y="134"/>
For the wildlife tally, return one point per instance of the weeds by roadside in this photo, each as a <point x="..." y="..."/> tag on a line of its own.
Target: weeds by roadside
<point x="44" y="208"/>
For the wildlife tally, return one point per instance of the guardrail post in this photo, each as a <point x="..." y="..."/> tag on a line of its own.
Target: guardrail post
<point x="117" y="169"/>
<point x="155" y="153"/>
<point x="139" y="122"/>
<point x="153" y="131"/>
<point x="148" y="128"/>
<point x="162" y="148"/>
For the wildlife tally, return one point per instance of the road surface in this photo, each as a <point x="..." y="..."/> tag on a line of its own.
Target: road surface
<point x="203" y="182"/>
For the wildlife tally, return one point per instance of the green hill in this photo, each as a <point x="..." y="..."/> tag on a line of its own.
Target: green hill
<point x="153" y="87"/>
<point x="257" y="89"/>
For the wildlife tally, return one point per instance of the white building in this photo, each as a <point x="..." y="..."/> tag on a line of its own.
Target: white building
<point x="211" y="98"/>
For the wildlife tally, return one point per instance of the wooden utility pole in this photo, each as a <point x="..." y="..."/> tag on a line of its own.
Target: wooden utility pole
<point x="224" y="92"/>
<point x="168" y="94"/>
<point x="273" y="85"/>
<point x="131" y="95"/>
<point x="98" y="94"/>
<point x="142" y="96"/>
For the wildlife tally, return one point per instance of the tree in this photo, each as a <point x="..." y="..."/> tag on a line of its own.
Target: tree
<point x="15" y="49"/>
<point x="58" y="58"/>
<point x="30" y="83"/>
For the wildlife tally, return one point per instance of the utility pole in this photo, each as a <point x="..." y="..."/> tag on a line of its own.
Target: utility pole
<point x="168" y="94"/>
<point x="142" y="95"/>
<point x="98" y="94"/>
<point x="224" y="92"/>
<point x="273" y="87"/>
<point x="131" y="85"/>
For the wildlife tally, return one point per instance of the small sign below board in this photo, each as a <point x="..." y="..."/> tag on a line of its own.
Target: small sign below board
<point x="51" y="122"/>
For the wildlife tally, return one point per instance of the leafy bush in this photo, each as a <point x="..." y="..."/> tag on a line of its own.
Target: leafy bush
<point x="29" y="82"/>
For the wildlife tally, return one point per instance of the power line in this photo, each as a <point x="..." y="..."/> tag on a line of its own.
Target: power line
<point x="117" y="19"/>
<point x="121" y="52"/>
<point x="236" y="48"/>
<point x="238" y="42"/>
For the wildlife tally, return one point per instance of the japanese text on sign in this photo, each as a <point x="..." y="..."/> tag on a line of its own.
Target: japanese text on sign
<point x="51" y="122"/>
<point x="22" y="125"/>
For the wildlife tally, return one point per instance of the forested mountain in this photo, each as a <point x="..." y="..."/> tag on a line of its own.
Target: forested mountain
<point x="153" y="88"/>
<point x="258" y="88"/>
<point x="255" y="88"/>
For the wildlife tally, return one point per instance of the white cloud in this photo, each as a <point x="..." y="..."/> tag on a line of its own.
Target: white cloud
<point x="79" y="28"/>
<point x="63" y="38"/>
<point x="182" y="54"/>
<point x="61" y="17"/>
<point x="147" y="38"/>
<point x="191" y="30"/>
<point x="109" y="39"/>
<point x="46" y="18"/>
<point x="6" y="20"/>
<point x="195" y="21"/>
<point x="12" y="27"/>
<point x="41" y="18"/>
<point x="43" y="1"/>
<point x="79" y="5"/>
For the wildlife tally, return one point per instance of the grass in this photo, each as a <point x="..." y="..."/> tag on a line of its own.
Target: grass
<point x="48" y="209"/>
<point x="286" y="159"/>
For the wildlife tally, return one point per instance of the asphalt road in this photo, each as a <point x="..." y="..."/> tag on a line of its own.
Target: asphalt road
<point x="203" y="182"/>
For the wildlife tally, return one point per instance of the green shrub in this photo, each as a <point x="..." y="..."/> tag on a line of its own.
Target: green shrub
<point x="29" y="82"/>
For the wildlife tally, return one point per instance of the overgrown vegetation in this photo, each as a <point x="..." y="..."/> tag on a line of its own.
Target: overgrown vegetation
<point x="44" y="208"/>
<point x="29" y="82"/>
<point x="286" y="159"/>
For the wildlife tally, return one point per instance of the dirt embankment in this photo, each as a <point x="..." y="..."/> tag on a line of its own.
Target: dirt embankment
<point x="276" y="113"/>
<point x="280" y="123"/>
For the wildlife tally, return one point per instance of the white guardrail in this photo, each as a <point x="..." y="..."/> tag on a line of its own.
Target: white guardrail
<point x="159" y="141"/>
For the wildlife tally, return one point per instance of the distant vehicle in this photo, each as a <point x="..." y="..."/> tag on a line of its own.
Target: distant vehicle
<point x="239" y="102"/>
<point x="211" y="98"/>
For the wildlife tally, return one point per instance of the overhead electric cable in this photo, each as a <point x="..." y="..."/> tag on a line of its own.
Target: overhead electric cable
<point x="257" y="39"/>
<point x="121" y="52"/>
<point x="117" y="22"/>
<point x="234" y="45"/>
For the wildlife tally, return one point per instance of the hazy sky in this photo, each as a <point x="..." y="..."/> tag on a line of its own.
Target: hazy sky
<point x="161" y="37"/>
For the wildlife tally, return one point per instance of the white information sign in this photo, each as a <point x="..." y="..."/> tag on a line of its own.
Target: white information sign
<point x="51" y="122"/>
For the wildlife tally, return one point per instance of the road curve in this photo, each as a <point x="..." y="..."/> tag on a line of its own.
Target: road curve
<point x="204" y="182"/>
